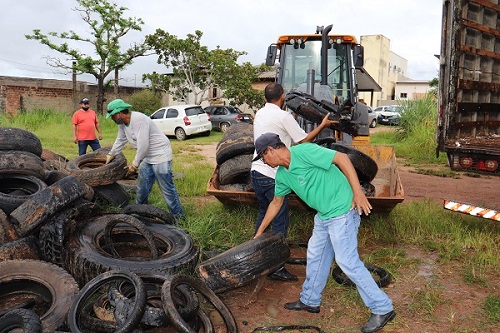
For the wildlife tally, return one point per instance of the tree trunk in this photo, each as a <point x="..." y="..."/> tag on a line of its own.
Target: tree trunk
<point x="100" y="96"/>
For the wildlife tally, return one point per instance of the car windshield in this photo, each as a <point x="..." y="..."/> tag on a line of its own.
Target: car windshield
<point x="393" y="108"/>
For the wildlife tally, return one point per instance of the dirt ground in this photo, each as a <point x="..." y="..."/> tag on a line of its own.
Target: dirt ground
<point x="260" y="304"/>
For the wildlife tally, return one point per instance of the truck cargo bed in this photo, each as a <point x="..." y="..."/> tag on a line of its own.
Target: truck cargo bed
<point x="388" y="187"/>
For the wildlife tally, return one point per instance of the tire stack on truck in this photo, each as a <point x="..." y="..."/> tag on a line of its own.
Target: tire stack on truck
<point x="71" y="262"/>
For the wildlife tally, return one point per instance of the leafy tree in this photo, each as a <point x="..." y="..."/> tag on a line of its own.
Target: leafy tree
<point x="196" y="69"/>
<point x="107" y="26"/>
<point x="434" y="84"/>
<point x="145" y="101"/>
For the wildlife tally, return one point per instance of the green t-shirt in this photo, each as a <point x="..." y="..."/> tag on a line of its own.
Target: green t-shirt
<point x="316" y="180"/>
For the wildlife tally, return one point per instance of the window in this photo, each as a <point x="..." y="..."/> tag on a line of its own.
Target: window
<point x="194" y="111"/>
<point x="403" y="95"/>
<point x="159" y="114"/>
<point x="219" y="112"/>
<point x="172" y="113"/>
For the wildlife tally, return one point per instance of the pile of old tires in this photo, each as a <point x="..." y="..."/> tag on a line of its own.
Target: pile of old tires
<point x="70" y="263"/>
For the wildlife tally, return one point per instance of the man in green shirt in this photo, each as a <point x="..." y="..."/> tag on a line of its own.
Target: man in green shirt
<point x="326" y="180"/>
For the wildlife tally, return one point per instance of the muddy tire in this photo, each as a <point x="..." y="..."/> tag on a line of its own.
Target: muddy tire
<point x="235" y="170"/>
<point x="92" y="170"/>
<point x="95" y="286"/>
<point x="53" y="176"/>
<point x="185" y="301"/>
<point x="21" y="162"/>
<point x="238" y="140"/>
<point x="366" y="168"/>
<point x="30" y="215"/>
<point x="21" y="249"/>
<point x="50" y="287"/>
<point x="383" y="280"/>
<point x="53" y="234"/>
<point x="167" y="292"/>
<point x="26" y="319"/>
<point x="112" y="194"/>
<point x="244" y="263"/>
<point x="48" y="155"/>
<point x="16" y="189"/>
<point x="145" y="212"/>
<point x="7" y="231"/>
<point x="88" y="255"/>
<point x="18" y="139"/>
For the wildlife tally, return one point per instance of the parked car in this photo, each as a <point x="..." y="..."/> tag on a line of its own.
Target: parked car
<point x="372" y="117"/>
<point x="223" y="116"/>
<point x="390" y="116"/>
<point x="182" y="120"/>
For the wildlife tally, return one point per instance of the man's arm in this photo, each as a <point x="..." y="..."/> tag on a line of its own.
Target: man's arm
<point x="272" y="210"/>
<point x="359" y="201"/>
<point x="99" y="132"/>
<point x="314" y="133"/>
<point x="75" y="133"/>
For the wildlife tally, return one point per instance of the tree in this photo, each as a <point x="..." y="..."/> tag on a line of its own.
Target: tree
<point x="145" y="101"/>
<point x="107" y="26"/>
<point x="196" y="69"/>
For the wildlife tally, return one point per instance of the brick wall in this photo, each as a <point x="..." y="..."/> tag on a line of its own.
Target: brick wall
<point x="27" y="94"/>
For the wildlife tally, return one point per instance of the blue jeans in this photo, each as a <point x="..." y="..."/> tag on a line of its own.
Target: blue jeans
<point x="338" y="238"/>
<point x="162" y="172"/>
<point x="82" y="146"/>
<point x="264" y="189"/>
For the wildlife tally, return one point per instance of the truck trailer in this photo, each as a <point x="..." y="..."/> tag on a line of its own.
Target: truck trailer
<point x="468" y="126"/>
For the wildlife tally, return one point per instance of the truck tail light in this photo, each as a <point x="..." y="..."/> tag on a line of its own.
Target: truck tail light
<point x="187" y="122"/>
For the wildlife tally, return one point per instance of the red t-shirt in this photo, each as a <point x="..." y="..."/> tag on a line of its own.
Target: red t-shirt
<point x="86" y="122"/>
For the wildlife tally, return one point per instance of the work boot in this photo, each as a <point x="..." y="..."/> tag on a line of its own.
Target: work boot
<point x="282" y="275"/>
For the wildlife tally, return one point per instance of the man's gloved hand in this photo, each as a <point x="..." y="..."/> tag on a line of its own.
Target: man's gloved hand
<point x="131" y="170"/>
<point x="109" y="158"/>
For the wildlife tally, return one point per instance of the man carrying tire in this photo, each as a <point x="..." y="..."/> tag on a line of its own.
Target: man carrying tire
<point x="327" y="181"/>
<point x="153" y="160"/>
<point x="271" y="118"/>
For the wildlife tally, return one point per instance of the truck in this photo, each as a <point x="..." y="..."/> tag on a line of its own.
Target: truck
<point x="468" y="122"/>
<point x="319" y="74"/>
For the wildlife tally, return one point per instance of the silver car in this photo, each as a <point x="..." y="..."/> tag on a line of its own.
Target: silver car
<point x="223" y="116"/>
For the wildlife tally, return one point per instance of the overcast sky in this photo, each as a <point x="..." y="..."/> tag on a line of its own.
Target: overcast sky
<point x="413" y="27"/>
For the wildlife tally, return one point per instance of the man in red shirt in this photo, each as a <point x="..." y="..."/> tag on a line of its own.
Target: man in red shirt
<point x="85" y="123"/>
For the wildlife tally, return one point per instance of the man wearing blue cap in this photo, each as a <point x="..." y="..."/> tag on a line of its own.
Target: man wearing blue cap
<point x="327" y="181"/>
<point x="153" y="159"/>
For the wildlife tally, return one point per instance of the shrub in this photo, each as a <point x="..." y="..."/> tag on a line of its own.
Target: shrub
<point x="145" y="101"/>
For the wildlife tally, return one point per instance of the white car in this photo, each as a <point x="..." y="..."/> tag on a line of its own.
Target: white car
<point x="182" y="120"/>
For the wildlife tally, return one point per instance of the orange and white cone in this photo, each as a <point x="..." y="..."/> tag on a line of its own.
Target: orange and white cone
<point x="472" y="210"/>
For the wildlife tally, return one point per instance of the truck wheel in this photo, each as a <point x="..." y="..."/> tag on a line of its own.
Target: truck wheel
<point x="244" y="263"/>
<point x="26" y="319"/>
<point x="235" y="170"/>
<point x="97" y="286"/>
<point x="384" y="278"/>
<point x="12" y="138"/>
<point x="167" y="292"/>
<point x="49" y="287"/>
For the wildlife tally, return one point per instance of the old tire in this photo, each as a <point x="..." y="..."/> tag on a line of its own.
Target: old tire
<point x="112" y="194"/>
<point x="7" y="231"/>
<point x="20" y="249"/>
<point x="26" y="319"/>
<point x="236" y="170"/>
<point x="92" y="170"/>
<point x="245" y="262"/>
<point x="30" y="215"/>
<point x="366" y="168"/>
<point x="167" y="292"/>
<point x="51" y="288"/>
<point x="237" y="140"/>
<point x="384" y="278"/>
<point x="94" y="286"/>
<point x="16" y="189"/>
<point x="88" y="255"/>
<point x="147" y="212"/>
<point x="21" y="162"/>
<point x="12" y="138"/>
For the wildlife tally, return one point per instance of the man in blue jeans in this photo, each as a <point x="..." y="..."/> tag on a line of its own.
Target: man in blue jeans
<point x="326" y="180"/>
<point x="271" y="118"/>
<point x="153" y="160"/>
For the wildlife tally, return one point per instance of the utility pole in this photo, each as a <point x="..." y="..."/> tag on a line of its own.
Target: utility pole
<point x="75" y="97"/>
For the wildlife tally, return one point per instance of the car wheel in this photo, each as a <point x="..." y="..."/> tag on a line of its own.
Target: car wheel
<point x="373" y="124"/>
<point x="224" y="127"/>
<point x="180" y="134"/>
